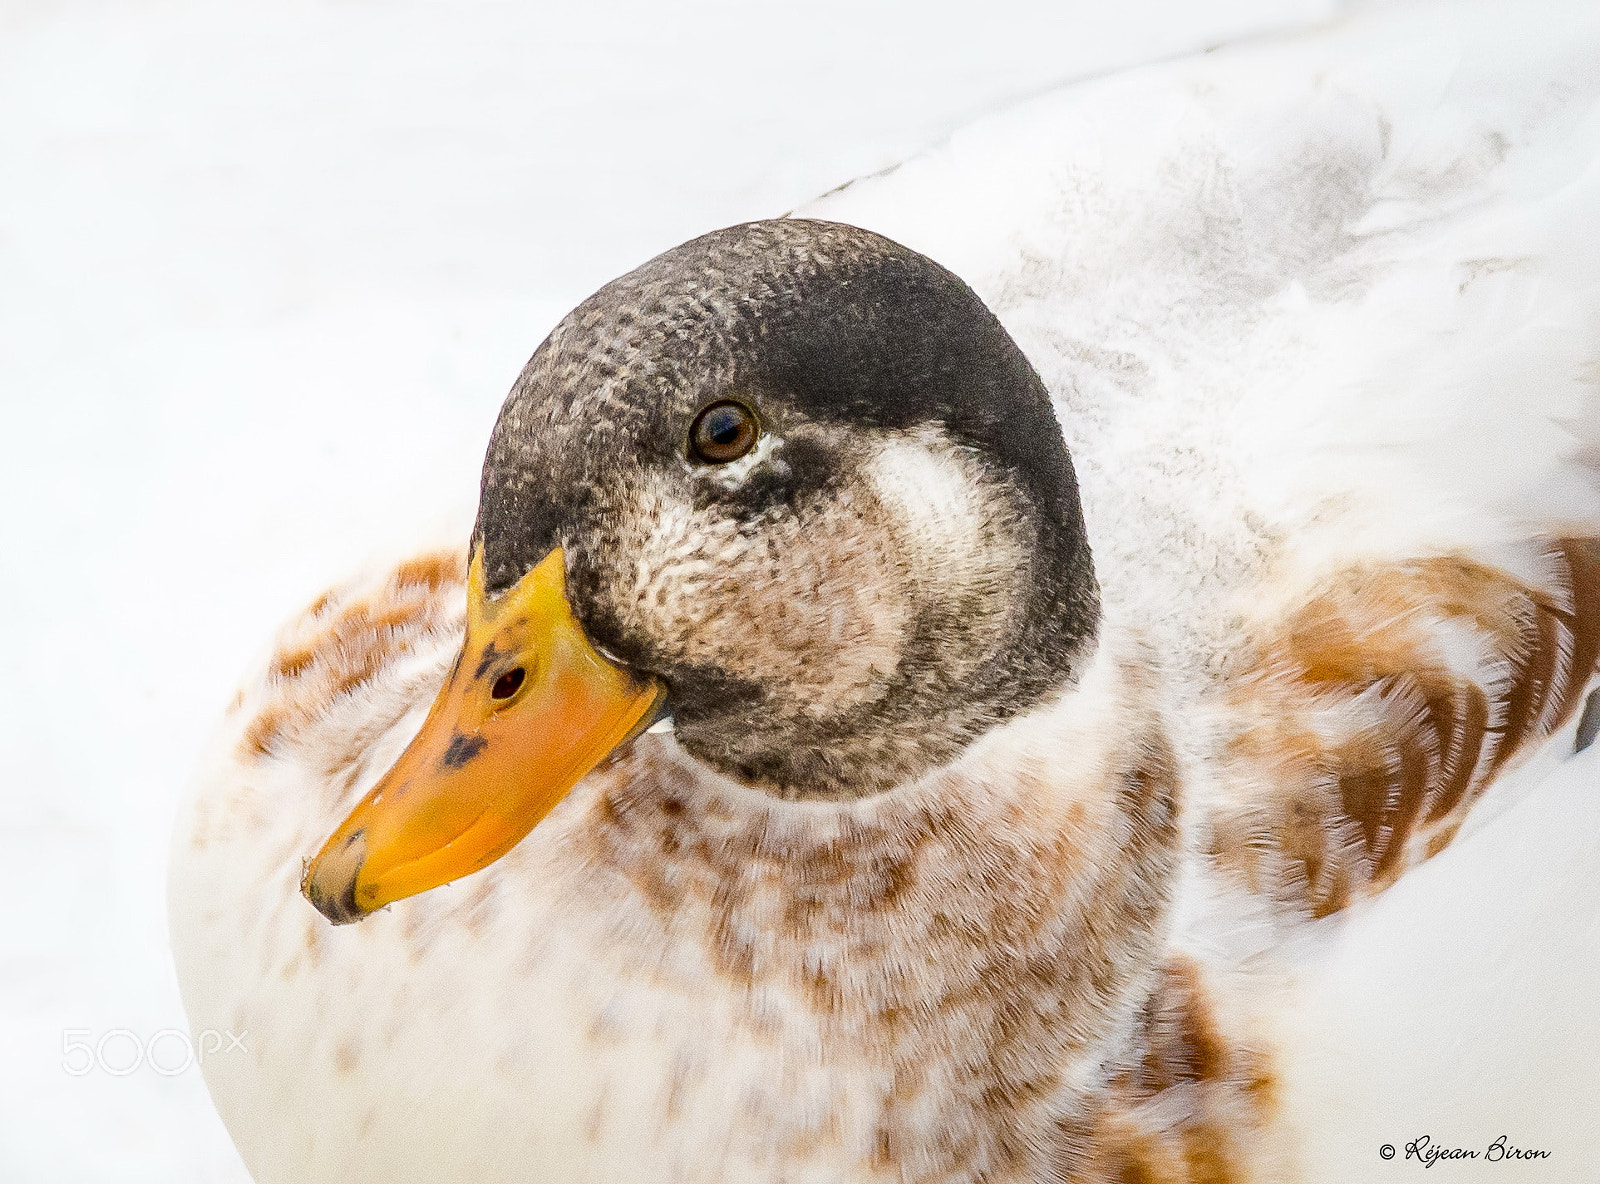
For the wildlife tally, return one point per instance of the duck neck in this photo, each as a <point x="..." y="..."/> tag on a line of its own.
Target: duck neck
<point x="969" y="950"/>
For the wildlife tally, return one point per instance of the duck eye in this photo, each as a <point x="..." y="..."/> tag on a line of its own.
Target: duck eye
<point x="722" y="432"/>
<point x="506" y="685"/>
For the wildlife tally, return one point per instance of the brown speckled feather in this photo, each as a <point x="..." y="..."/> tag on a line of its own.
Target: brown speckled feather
<point x="1367" y="722"/>
<point x="1191" y="1105"/>
<point x="337" y="646"/>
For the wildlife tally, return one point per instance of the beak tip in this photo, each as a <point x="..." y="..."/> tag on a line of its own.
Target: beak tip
<point x="329" y="882"/>
<point x="339" y="909"/>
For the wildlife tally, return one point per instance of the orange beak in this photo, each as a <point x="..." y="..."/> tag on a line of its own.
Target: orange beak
<point x="528" y="710"/>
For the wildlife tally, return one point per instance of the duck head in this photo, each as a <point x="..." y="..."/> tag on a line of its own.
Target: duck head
<point x="790" y="483"/>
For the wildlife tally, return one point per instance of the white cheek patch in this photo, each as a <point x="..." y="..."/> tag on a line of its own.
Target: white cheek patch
<point x="940" y="502"/>
<point x="958" y="539"/>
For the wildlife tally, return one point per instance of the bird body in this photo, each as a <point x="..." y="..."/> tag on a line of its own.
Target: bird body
<point x="1318" y="320"/>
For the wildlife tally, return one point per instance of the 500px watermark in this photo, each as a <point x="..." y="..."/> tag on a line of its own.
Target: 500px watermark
<point x="122" y="1051"/>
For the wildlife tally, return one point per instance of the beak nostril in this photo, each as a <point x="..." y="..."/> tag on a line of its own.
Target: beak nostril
<point x="507" y="684"/>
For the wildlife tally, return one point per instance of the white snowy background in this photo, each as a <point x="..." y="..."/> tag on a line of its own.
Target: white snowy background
<point x="266" y="272"/>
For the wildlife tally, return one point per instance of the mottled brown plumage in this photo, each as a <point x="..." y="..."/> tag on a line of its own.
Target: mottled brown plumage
<point x="904" y="936"/>
<point x="1364" y="746"/>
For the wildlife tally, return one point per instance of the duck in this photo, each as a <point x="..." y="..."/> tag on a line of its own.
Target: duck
<point x="981" y="678"/>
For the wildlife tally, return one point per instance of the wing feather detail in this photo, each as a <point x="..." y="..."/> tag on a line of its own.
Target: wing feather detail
<point x="1365" y="724"/>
